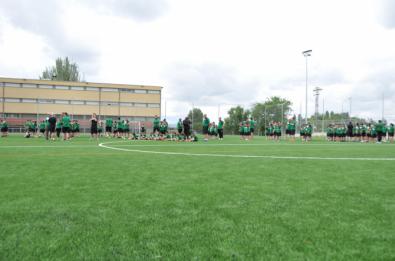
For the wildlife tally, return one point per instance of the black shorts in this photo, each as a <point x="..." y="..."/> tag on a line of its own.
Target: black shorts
<point x="349" y="133"/>
<point x="278" y="134"/>
<point x="126" y="131"/>
<point x="142" y="130"/>
<point x="390" y="135"/>
<point x="252" y="130"/>
<point x="291" y="132"/>
<point x="205" y="130"/>
<point x="42" y="131"/>
<point x="4" y="129"/>
<point x="287" y="132"/>
<point x="162" y="132"/>
<point x="66" y="129"/>
<point x="156" y="129"/>
<point x="108" y="128"/>
<point x="241" y="133"/>
<point x="179" y="131"/>
<point x="187" y="132"/>
<point x="120" y="130"/>
<point x="51" y="128"/>
<point x="93" y="130"/>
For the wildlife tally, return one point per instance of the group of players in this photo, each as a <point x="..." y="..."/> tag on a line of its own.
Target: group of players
<point x="361" y="132"/>
<point x="51" y="127"/>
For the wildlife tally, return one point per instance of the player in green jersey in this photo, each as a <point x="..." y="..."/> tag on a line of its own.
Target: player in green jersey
<point x="241" y="130"/>
<point x="126" y="129"/>
<point x="156" y="125"/>
<point x="246" y="130"/>
<point x="391" y="132"/>
<point x="252" y="124"/>
<point x="206" y="122"/>
<point x="277" y="131"/>
<point x="100" y="129"/>
<point x="4" y="128"/>
<point x="119" y="133"/>
<point x="58" y="128"/>
<point x="291" y="129"/>
<point x="42" y="128"/>
<point x="270" y="130"/>
<point x="379" y="127"/>
<point x="179" y="126"/>
<point x="109" y="123"/>
<point x="220" y="129"/>
<point x="66" y="125"/>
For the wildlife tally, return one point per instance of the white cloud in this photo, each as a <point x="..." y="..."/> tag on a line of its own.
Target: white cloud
<point x="209" y="52"/>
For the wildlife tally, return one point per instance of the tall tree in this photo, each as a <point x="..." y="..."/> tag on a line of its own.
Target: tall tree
<point x="235" y="116"/>
<point x="273" y="109"/>
<point x="64" y="70"/>
<point x="196" y="116"/>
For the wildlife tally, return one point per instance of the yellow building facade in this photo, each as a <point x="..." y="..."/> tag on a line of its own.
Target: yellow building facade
<point x="26" y="98"/>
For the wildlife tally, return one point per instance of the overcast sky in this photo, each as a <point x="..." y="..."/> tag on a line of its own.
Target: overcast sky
<point x="212" y="52"/>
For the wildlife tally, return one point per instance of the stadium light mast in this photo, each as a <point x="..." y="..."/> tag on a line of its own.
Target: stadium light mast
<point x="306" y="54"/>
<point x="317" y="97"/>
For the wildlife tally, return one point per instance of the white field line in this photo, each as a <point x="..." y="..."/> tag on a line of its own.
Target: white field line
<point x="105" y="145"/>
<point x="48" y="146"/>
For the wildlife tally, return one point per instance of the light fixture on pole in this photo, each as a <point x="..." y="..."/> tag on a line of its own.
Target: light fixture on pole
<point x="306" y="54"/>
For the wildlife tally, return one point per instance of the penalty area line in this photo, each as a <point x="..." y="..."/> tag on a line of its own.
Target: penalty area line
<point x="105" y="145"/>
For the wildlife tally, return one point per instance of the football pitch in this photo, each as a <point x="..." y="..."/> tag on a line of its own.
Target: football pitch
<point x="226" y="200"/>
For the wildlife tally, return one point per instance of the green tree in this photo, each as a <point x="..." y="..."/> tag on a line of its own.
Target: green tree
<point x="273" y="109"/>
<point x="196" y="116"/>
<point x="235" y="116"/>
<point x="64" y="70"/>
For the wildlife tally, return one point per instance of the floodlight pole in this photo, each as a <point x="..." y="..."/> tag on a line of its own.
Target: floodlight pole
<point x="2" y="100"/>
<point x="306" y="54"/>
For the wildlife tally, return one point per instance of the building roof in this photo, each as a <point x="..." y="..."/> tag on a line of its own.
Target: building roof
<point x="83" y="84"/>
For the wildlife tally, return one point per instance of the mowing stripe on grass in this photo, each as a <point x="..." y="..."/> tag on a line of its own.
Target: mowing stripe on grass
<point x="105" y="145"/>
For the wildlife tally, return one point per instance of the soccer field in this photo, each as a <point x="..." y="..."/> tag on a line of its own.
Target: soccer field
<point x="145" y="200"/>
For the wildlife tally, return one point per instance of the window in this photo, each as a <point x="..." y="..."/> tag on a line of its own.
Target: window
<point x="92" y="103"/>
<point x="60" y="87"/>
<point x="12" y="100"/>
<point x="126" y="104"/>
<point x="153" y="92"/>
<point x="108" y="103"/>
<point x="92" y="89"/>
<point x="1" y="99"/>
<point x="29" y="85"/>
<point x="77" y="88"/>
<point x="11" y="84"/>
<point x="61" y="102"/>
<point x="140" y="91"/>
<point x="45" y="101"/>
<point x="77" y="102"/>
<point x="153" y="105"/>
<point x="29" y="100"/>
<point x="141" y="105"/>
<point x="109" y="90"/>
<point x="44" y="86"/>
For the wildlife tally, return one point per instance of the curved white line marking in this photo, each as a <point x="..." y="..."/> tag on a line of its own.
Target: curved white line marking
<point x="104" y="145"/>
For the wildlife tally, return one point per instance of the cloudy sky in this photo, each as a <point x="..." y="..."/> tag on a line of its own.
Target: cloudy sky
<point x="214" y="52"/>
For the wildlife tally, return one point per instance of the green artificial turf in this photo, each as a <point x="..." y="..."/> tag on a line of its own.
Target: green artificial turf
<point x="77" y="201"/>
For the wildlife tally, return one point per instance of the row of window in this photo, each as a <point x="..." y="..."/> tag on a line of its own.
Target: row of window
<point x="75" y="117"/>
<point x="76" y="88"/>
<point x="74" y="102"/>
